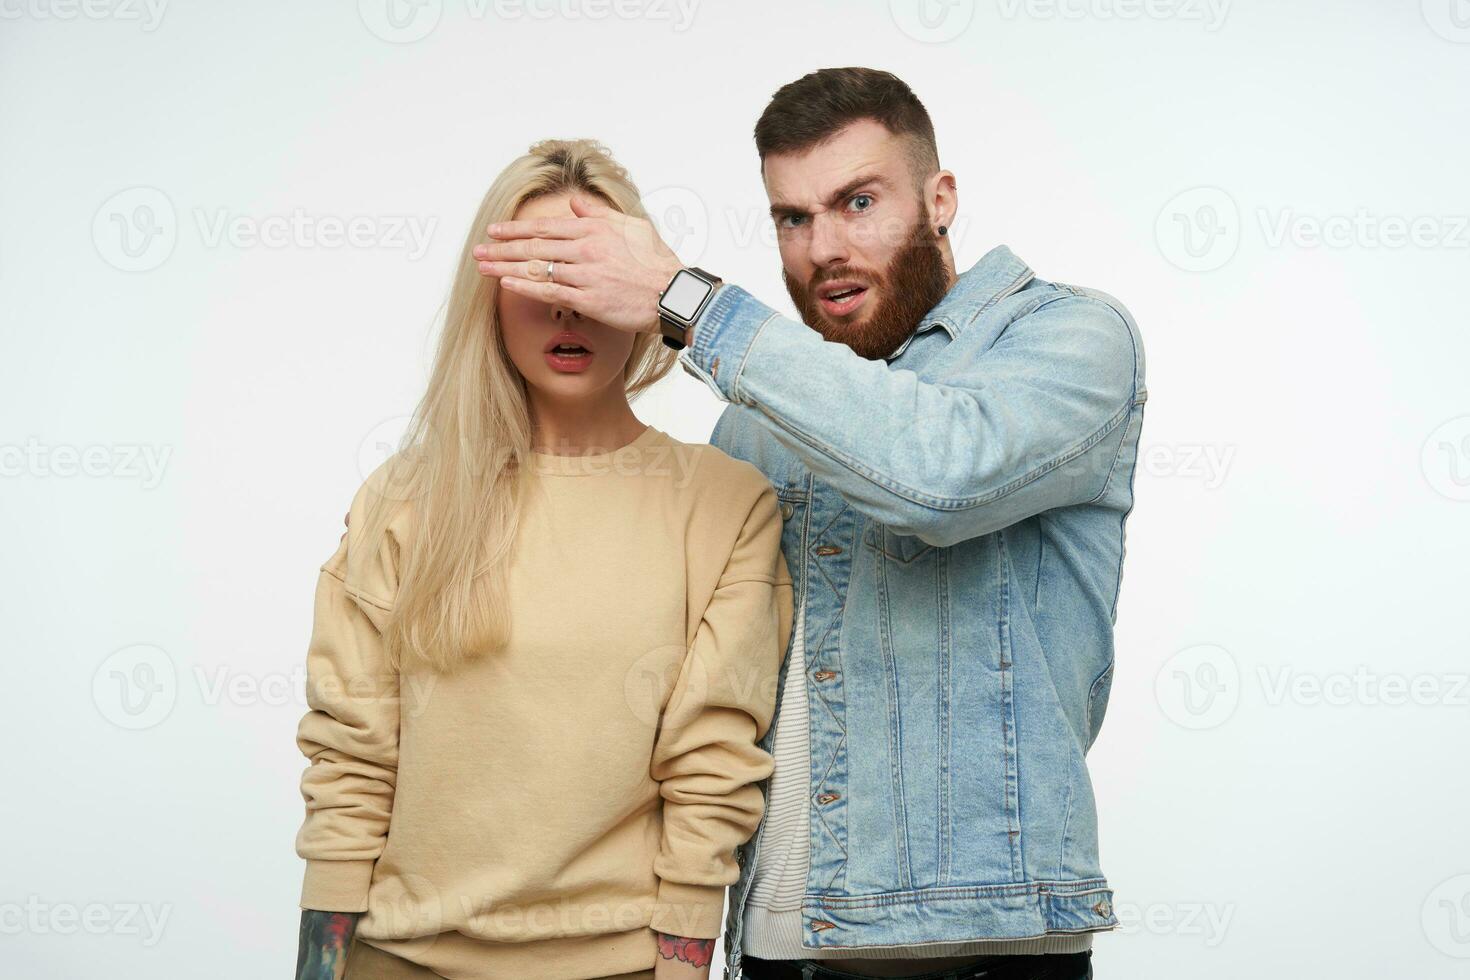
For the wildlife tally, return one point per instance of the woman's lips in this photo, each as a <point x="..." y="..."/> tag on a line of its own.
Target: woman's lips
<point x="568" y="363"/>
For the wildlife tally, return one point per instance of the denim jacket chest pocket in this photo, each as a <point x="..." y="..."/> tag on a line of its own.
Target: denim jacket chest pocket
<point x="900" y="549"/>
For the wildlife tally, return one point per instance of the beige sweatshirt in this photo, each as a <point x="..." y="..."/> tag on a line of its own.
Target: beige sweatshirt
<point x="542" y="812"/>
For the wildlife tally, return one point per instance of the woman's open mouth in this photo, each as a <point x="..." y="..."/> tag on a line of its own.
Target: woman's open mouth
<point x="568" y="352"/>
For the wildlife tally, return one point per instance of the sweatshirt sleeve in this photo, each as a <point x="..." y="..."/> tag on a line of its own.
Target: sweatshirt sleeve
<point x="705" y="756"/>
<point x="350" y="734"/>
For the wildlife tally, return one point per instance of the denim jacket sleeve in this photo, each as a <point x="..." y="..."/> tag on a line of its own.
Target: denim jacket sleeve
<point x="1005" y="433"/>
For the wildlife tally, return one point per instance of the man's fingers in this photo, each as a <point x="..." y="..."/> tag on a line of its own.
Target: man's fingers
<point x="520" y="249"/>
<point x="587" y="206"/>
<point x="541" y="228"/>
<point x="546" y="292"/>
<point x="566" y="273"/>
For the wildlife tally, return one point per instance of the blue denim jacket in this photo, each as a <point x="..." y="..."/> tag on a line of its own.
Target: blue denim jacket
<point x="954" y="525"/>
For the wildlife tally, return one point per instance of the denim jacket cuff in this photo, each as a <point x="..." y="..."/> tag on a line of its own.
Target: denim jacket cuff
<point x="727" y="330"/>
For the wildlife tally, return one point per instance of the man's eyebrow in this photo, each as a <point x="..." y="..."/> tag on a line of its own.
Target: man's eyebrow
<point x="779" y="208"/>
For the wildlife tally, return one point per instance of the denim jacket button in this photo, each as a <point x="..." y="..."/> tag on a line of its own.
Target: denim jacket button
<point x="787" y="510"/>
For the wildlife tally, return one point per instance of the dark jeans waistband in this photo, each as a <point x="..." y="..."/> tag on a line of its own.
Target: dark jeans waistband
<point x="1048" y="966"/>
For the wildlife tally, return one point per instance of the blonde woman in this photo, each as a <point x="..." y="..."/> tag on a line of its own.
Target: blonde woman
<point x="542" y="656"/>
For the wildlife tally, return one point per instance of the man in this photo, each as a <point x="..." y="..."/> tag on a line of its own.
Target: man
<point x="954" y="455"/>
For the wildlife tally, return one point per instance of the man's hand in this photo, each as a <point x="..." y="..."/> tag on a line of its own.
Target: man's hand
<point x="609" y="266"/>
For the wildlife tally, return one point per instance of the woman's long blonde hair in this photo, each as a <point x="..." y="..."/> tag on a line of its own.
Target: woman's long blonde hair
<point x="461" y="466"/>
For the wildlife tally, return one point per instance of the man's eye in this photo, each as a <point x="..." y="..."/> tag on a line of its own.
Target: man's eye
<point x="860" y="202"/>
<point x="792" y="220"/>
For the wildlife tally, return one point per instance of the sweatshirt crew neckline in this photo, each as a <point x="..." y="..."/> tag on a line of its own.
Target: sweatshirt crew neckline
<point x="629" y="458"/>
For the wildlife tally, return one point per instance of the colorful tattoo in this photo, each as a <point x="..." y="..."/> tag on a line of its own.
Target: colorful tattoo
<point x="322" y="950"/>
<point x="695" y="952"/>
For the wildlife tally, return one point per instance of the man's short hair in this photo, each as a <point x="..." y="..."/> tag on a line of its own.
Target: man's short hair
<point x="814" y="108"/>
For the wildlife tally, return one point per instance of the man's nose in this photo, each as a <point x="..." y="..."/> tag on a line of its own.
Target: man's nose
<point x="829" y="241"/>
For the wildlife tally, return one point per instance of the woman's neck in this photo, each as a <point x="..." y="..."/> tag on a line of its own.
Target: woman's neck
<point x="582" y="427"/>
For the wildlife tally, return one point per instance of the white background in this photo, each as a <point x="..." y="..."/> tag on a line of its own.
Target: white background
<point x="186" y="410"/>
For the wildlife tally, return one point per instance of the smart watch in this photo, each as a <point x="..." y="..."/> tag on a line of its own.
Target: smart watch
<point x="681" y="303"/>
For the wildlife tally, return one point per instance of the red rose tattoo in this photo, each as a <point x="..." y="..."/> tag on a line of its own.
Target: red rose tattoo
<point x="695" y="952"/>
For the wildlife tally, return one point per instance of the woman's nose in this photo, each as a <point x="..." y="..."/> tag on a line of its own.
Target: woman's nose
<point x="565" y="313"/>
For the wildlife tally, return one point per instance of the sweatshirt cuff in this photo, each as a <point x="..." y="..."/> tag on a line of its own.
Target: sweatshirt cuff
<point x="337" y="886"/>
<point x="691" y="911"/>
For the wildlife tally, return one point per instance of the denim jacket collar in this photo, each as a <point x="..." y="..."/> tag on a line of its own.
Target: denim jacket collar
<point x="998" y="273"/>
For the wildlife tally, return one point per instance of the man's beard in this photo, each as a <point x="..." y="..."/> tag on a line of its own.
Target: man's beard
<point x="914" y="282"/>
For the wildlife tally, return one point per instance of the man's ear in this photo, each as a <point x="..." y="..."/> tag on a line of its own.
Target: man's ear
<point x="941" y="200"/>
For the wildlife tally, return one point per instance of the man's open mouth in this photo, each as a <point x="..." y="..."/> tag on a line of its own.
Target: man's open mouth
<point x="838" y="298"/>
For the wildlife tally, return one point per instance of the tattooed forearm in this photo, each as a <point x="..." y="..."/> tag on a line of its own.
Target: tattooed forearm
<point x="322" y="951"/>
<point x="695" y="952"/>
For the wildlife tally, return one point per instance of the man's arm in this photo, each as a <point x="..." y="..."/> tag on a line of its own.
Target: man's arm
<point x="1030" y="424"/>
<point x="1009" y="432"/>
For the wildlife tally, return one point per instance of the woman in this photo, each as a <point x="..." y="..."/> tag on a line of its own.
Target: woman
<point x="542" y="656"/>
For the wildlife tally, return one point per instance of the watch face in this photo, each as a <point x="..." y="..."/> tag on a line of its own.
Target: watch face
<point x="684" y="294"/>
